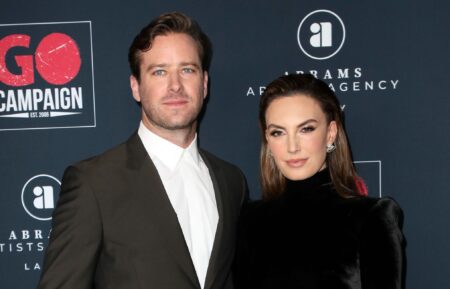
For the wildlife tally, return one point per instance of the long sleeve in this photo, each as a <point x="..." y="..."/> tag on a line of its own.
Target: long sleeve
<point x="382" y="247"/>
<point x="71" y="257"/>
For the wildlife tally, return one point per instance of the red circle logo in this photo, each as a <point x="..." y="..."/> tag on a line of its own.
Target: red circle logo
<point x="58" y="58"/>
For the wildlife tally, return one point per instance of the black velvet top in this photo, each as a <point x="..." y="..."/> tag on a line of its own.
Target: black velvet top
<point x="311" y="238"/>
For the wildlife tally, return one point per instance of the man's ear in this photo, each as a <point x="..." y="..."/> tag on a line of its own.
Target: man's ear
<point x="205" y="83"/>
<point x="134" y="84"/>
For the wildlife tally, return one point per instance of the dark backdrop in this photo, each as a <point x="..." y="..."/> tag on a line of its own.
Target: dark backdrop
<point x="391" y="74"/>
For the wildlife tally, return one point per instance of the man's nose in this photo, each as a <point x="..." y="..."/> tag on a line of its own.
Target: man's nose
<point x="174" y="82"/>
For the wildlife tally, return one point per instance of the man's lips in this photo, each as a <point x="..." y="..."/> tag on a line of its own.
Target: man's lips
<point x="175" y="102"/>
<point x="296" y="163"/>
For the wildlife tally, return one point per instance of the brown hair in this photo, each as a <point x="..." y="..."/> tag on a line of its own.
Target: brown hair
<point x="165" y="24"/>
<point x="339" y="162"/>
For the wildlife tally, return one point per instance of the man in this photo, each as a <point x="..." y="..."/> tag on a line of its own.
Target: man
<point x="154" y="212"/>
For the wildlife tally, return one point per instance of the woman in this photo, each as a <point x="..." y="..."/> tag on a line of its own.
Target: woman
<point x="315" y="227"/>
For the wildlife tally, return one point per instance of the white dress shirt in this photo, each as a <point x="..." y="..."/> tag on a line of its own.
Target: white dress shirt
<point x="188" y="184"/>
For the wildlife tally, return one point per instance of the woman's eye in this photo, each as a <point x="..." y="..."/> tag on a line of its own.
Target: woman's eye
<point x="307" y="129"/>
<point x="275" y="133"/>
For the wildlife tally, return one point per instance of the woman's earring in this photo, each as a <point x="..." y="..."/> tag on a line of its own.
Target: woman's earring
<point x="331" y="147"/>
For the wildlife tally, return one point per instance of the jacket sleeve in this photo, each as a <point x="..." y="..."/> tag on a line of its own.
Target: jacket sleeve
<point x="72" y="253"/>
<point x="382" y="253"/>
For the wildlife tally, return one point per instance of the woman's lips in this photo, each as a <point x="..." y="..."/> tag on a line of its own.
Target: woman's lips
<point x="296" y="163"/>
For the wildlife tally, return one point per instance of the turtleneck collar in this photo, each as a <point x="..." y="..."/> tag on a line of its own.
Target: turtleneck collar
<point x="314" y="186"/>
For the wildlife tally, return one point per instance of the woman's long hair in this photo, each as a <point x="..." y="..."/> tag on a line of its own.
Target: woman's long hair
<point x="343" y="174"/>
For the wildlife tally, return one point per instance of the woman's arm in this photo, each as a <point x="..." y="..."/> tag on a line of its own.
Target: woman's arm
<point x="382" y="247"/>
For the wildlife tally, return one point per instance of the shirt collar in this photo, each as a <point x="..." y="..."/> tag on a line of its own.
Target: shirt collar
<point x="165" y="151"/>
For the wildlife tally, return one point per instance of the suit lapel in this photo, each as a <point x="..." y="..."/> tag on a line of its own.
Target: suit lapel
<point x="150" y="193"/>
<point x="219" y="190"/>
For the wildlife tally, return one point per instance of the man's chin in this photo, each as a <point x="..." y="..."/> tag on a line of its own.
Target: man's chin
<point x="178" y="125"/>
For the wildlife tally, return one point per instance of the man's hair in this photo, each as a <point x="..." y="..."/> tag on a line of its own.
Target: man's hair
<point x="174" y="22"/>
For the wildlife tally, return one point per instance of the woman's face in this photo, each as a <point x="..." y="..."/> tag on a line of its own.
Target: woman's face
<point x="297" y="134"/>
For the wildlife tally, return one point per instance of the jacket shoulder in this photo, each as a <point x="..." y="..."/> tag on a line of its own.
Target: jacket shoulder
<point x="111" y="158"/>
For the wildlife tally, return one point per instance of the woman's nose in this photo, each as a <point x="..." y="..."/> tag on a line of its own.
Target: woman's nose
<point x="293" y="144"/>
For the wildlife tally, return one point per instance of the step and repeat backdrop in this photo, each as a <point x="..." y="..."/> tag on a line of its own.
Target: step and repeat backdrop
<point x="65" y="96"/>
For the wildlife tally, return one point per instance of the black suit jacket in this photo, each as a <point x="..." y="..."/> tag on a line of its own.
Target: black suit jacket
<point x="114" y="226"/>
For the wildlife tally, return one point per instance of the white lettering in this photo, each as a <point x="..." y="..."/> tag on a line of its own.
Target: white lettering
<point x="2" y="105"/>
<point x="313" y="72"/>
<point x="250" y="91"/>
<point x="343" y="73"/>
<point x="38" y="96"/>
<point x="36" y="267"/>
<point x="38" y="234"/>
<point x="30" y="100"/>
<point x="11" y="101"/>
<point x="77" y="97"/>
<point x="64" y="98"/>
<point x="48" y="100"/>
<point x="24" y="99"/>
<point x="12" y="236"/>
<point x="261" y="90"/>
<point x="343" y="86"/>
<point x="394" y="83"/>
<point x="29" y="246"/>
<point x="327" y="75"/>
<point x="369" y="85"/>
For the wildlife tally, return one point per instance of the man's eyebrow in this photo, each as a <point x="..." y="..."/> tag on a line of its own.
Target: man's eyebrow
<point x="195" y="64"/>
<point x="154" y="65"/>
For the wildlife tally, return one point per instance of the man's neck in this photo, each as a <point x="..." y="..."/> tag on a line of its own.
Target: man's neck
<point x="180" y="137"/>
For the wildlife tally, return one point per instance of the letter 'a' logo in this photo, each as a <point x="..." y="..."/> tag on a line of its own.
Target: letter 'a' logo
<point x="321" y="34"/>
<point x="39" y="196"/>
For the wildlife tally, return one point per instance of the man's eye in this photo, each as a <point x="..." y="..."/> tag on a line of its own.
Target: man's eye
<point x="159" y="72"/>
<point x="188" y="70"/>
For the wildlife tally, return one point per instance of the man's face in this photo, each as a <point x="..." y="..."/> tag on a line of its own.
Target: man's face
<point x="172" y="85"/>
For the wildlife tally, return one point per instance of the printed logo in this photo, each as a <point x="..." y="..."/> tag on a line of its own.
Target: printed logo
<point x="321" y="34"/>
<point x="46" y="76"/>
<point x="39" y="196"/>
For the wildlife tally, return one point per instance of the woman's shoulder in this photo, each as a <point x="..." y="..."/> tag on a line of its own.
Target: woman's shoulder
<point x="376" y="212"/>
<point x="387" y="211"/>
